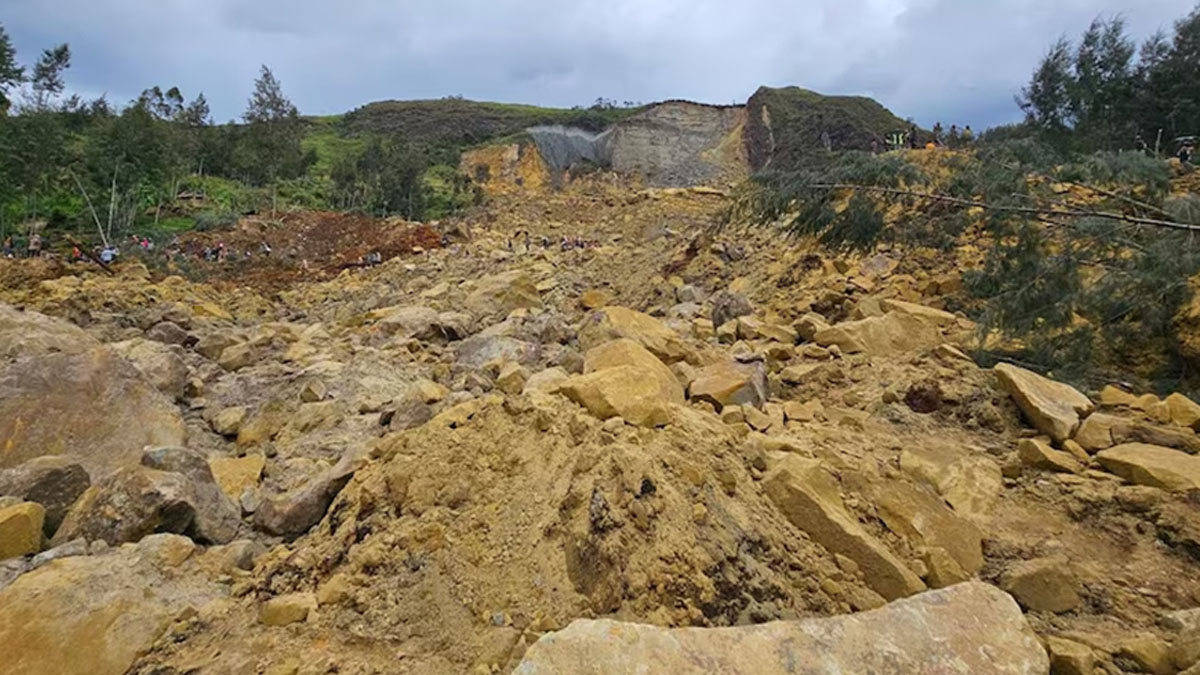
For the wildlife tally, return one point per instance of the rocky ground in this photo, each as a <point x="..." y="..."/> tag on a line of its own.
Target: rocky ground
<point x="430" y="465"/>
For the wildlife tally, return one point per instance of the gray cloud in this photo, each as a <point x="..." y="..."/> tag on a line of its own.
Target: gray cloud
<point x="950" y="60"/>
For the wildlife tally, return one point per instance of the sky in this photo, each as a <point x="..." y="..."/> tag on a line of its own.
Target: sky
<point x="954" y="61"/>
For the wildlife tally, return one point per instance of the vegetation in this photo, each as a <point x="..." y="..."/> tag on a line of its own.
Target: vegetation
<point x="1087" y="255"/>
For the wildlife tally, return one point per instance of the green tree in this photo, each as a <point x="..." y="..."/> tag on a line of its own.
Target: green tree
<point x="47" y="78"/>
<point x="11" y="74"/>
<point x="271" y="144"/>
<point x="1046" y="100"/>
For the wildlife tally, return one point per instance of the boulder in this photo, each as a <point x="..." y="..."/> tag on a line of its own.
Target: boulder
<point x="480" y="350"/>
<point x="1043" y="585"/>
<point x="1068" y="657"/>
<point x="24" y="334"/>
<point x="162" y="365"/>
<point x="622" y="391"/>
<point x="1112" y="396"/>
<point x="169" y="333"/>
<point x="174" y="491"/>
<point x="809" y="325"/>
<point x="1054" y="408"/>
<point x="235" y="475"/>
<point x="594" y="299"/>
<point x="294" y="513"/>
<point x="613" y="323"/>
<point x="937" y="317"/>
<point x="626" y="352"/>
<point x="1184" y="411"/>
<point x="730" y="383"/>
<point x="1153" y="465"/>
<point x="237" y="356"/>
<point x="53" y="482"/>
<point x="230" y="420"/>
<point x="809" y="497"/>
<point x="1038" y="455"/>
<point x="893" y="333"/>
<point x="499" y="294"/>
<point x="95" y="615"/>
<point x="211" y="346"/>
<point x="411" y="321"/>
<point x="968" y="629"/>
<point x="727" y="306"/>
<point x="285" y="609"/>
<point x="21" y="529"/>
<point x="968" y="482"/>
<point x="92" y="406"/>
<point x="1101" y="431"/>
<point x="926" y="522"/>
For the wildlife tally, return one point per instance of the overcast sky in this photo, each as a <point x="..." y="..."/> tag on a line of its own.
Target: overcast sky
<point x="949" y="60"/>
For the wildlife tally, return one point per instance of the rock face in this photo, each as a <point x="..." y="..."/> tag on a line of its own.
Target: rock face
<point x="93" y="615"/>
<point x="24" y="334"/>
<point x="1152" y="465"/>
<point x="893" y="333"/>
<point x="92" y="406"/>
<point x="53" y="482"/>
<point x="162" y="365"/>
<point x="808" y="495"/>
<point x="971" y="628"/>
<point x="1054" y="408"/>
<point x="696" y="151"/>
<point x="612" y="323"/>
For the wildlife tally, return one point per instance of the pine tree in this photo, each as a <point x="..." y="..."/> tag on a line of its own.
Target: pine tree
<point x="47" y="78"/>
<point x="273" y="133"/>
<point x="11" y="74"/>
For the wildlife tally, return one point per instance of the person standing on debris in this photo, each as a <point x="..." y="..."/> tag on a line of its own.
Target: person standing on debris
<point x="35" y="245"/>
<point x="912" y="138"/>
<point x="967" y="135"/>
<point x="1185" y="152"/>
<point x="8" y="246"/>
<point x="108" y="255"/>
<point x="76" y="254"/>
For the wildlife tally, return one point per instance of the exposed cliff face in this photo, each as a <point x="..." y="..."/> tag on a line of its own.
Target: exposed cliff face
<point x="678" y="143"/>
<point x="506" y="166"/>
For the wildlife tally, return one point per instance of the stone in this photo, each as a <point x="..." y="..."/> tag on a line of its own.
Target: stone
<point x="623" y="391"/>
<point x="968" y="629"/>
<point x="412" y="321"/>
<point x="407" y="414"/>
<point x="229" y="421"/>
<point x="95" y="615"/>
<point x="626" y="352"/>
<point x="795" y="411"/>
<point x="809" y="497"/>
<point x="1038" y="455"/>
<point x="943" y="569"/>
<point x="750" y="328"/>
<point x="512" y="378"/>
<point x="25" y="333"/>
<point x="1043" y="585"/>
<point x="727" y="306"/>
<point x="809" y="325"/>
<point x="1166" y="435"/>
<point x="313" y="390"/>
<point x="1054" y="408"/>
<point x="1111" y="396"/>
<point x="168" y="333"/>
<point x="53" y="482"/>
<point x="938" y="317"/>
<point x="237" y="356"/>
<point x="1183" y="411"/>
<point x="21" y="529"/>
<point x="925" y="521"/>
<point x="594" y="299"/>
<point x="71" y="548"/>
<point x="1152" y="465"/>
<point x="1151" y="653"/>
<point x="235" y="475"/>
<point x="730" y="383"/>
<point x="547" y="380"/>
<point x="1068" y="657"/>
<point x="212" y="345"/>
<point x="893" y="333"/>
<point x="162" y="365"/>
<point x="173" y="492"/>
<point x="612" y="323"/>
<point x="294" y="513"/>
<point x="499" y="294"/>
<point x="969" y="483"/>
<point x="41" y="411"/>
<point x="479" y="350"/>
<point x="1100" y="431"/>
<point x="727" y="333"/>
<point x="287" y="609"/>
<point x="1185" y="649"/>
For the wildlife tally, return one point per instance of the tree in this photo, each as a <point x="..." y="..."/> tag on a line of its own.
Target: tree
<point x="272" y="134"/>
<point x="11" y="74"/>
<point x="1046" y="100"/>
<point x="47" y="79"/>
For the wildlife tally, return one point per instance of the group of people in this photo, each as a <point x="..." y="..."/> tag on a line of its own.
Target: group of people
<point x="33" y="247"/>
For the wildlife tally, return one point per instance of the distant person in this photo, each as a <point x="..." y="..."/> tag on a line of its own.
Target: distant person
<point x="8" y="247"/>
<point x="35" y="245"/>
<point x="1186" y="152"/>
<point x="76" y="254"/>
<point x="265" y="248"/>
<point x="109" y="254"/>
<point x="967" y="134"/>
<point x="952" y="137"/>
<point x="912" y="138"/>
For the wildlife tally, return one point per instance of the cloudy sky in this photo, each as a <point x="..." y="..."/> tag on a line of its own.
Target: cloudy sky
<point x="949" y="60"/>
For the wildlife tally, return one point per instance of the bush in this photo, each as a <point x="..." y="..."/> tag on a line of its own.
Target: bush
<point x="208" y="221"/>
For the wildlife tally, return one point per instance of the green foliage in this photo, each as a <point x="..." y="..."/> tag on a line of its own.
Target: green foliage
<point x="271" y="147"/>
<point x="207" y="221"/>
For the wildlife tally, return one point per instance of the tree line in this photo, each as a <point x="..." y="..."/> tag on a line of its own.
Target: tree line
<point x="90" y="166"/>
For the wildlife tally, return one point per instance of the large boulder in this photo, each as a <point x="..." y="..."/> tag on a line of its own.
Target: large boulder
<point x="173" y="492"/>
<point x="161" y="364"/>
<point x="410" y="321"/>
<point x="968" y="482"/>
<point x="927" y="522"/>
<point x="612" y="323"/>
<point x="967" y="629"/>
<point x="730" y="383"/>
<point x="499" y="294"/>
<point x="1052" y="407"/>
<point x="1153" y="465"/>
<point x="94" y="615"/>
<point x="53" y="482"/>
<point x="24" y="334"/>
<point x="893" y="333"/>
<point x="479" y="350"/>
<point x="809" y="497"/>
<point x="936" y="316"/>
<point x="625" y="352"/>
<point x="1043" y="585"/>
<point x="21" y="529"/>
<point x="292" y="514"/>
<point x="623" y="391"/>
<point x="91" y="405"/>
<point x="727" y="306"/>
